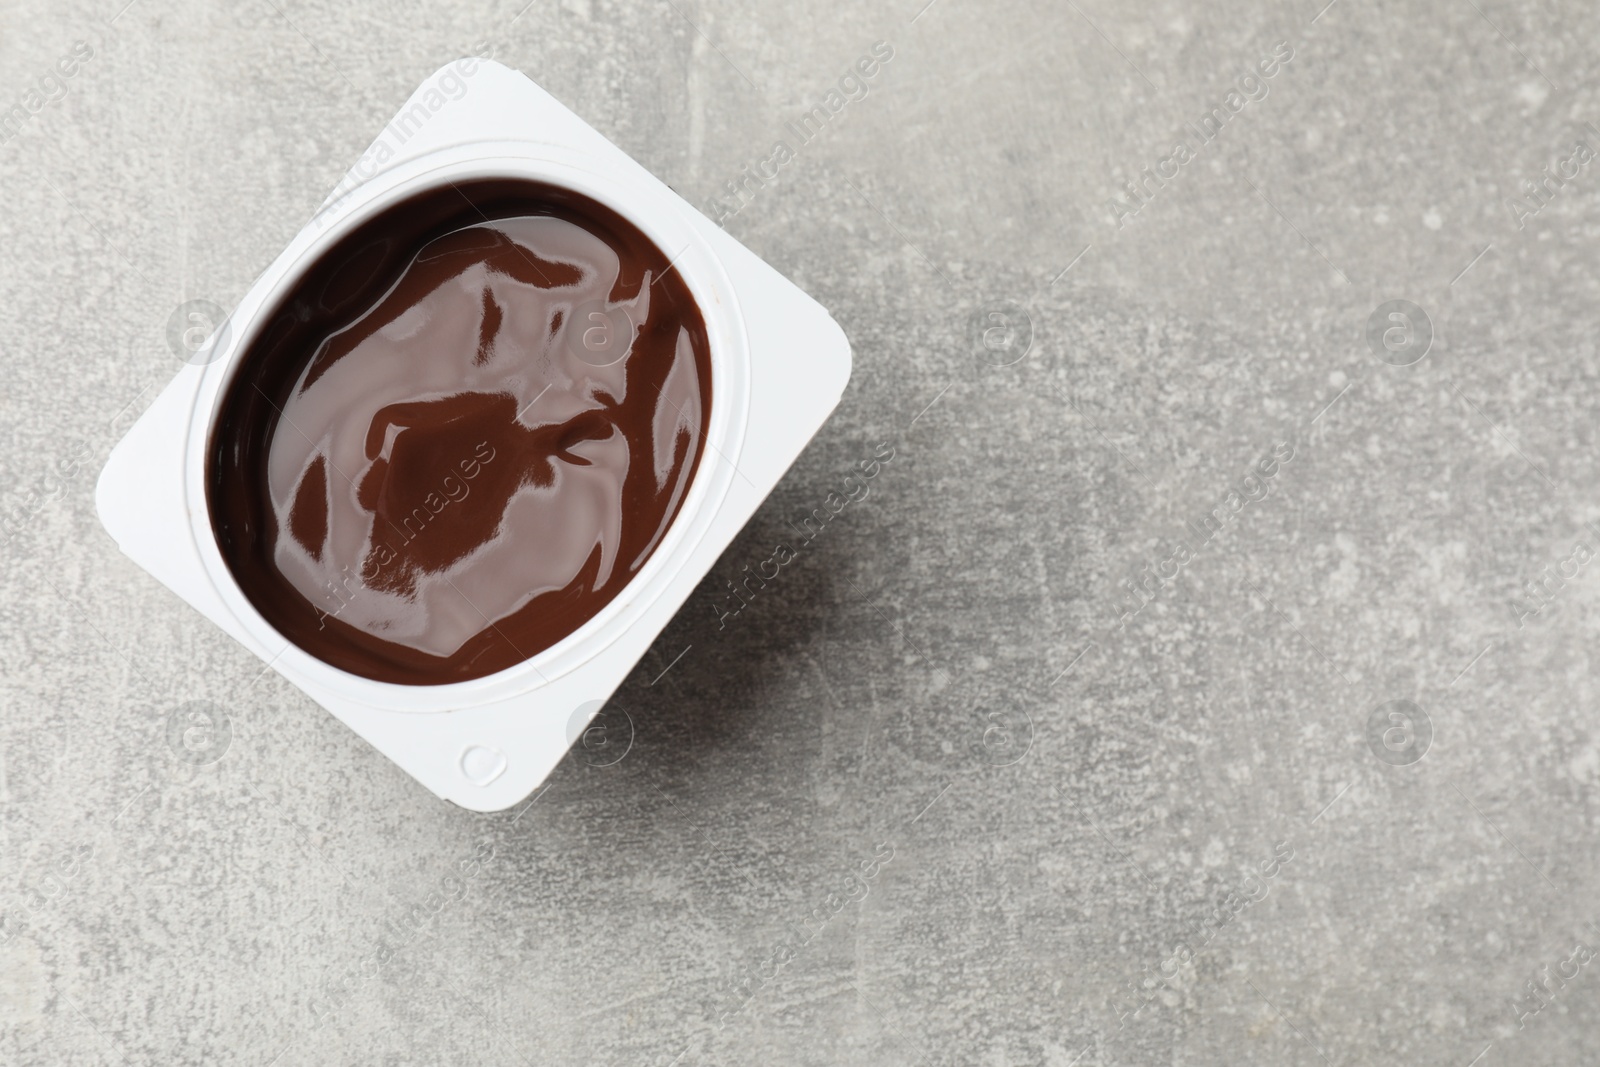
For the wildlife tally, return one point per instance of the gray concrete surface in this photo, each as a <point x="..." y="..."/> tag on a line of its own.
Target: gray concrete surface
<point x="948" y="792"/>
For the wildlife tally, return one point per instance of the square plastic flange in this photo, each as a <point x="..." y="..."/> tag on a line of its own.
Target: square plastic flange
<point x="489" y="754"/>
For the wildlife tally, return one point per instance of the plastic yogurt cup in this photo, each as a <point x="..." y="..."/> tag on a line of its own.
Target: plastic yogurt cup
<point x="774" y="365"/>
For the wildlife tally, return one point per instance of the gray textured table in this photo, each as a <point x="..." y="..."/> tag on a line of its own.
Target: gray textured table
<point x="1206" y="679"/>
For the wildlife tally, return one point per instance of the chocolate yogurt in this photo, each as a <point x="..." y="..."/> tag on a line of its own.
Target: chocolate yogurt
<point x="461" y="433"/>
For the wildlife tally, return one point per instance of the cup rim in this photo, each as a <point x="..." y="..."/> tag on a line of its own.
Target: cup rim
<point x="663" y="222"/>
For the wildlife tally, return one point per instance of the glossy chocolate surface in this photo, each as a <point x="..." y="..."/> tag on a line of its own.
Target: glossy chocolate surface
<point x="462" y="432"/>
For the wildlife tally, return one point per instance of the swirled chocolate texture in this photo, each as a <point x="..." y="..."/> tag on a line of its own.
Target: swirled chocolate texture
<point x="461" y="433"/>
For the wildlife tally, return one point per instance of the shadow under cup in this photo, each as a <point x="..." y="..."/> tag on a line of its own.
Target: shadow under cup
<point x="461" y="432"/>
